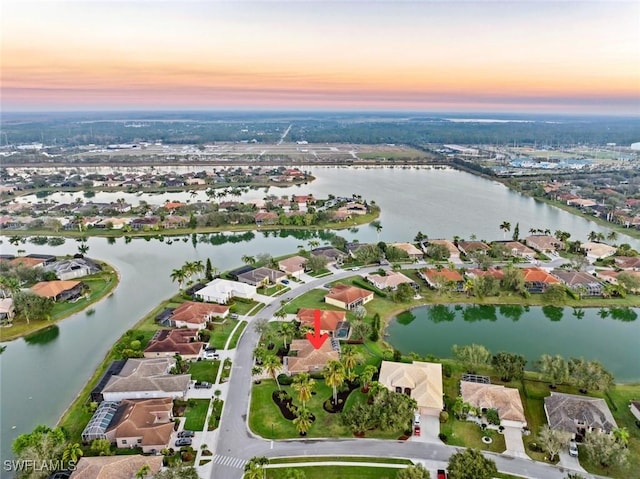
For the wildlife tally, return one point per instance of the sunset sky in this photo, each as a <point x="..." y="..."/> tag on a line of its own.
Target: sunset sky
<point x="538" y="56"/>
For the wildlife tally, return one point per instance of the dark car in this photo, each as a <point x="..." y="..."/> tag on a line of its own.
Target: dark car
<point x="183" y="441"/>
<point x="186" y="433"/>
<point x="202" y="385"/>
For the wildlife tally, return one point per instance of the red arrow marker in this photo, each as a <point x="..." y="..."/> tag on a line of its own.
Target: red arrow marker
<point x="316" y="339"/>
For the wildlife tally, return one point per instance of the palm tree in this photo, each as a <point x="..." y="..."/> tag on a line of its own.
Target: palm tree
<point x="83" y="248"/>
<point x="280" y="314"/>
<point x="286" y="329"/>
<point x="334" y="375"/>
<point x="303" y="384"/>
<point x="378" y="227"/>
<point x="198" y="268"/>
<point x="178" y="275"/>
<point x="622" y="435"/>
<point x="612" y="236"/>
<point x="248" y="260"/>
<point x="143" y="471"/>
<point x="592" y="236"/>
<point x="271" y="364"/>
<point x="254" y="469"/>
<point x="366" y="376"/>
<point x="72" y="453"/>
<point x="303" y="421"/>
<point x="9" y="284"/>
<point x="350" y="358"/>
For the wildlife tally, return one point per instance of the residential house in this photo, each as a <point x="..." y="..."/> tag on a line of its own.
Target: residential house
<point x="351" y="248"/>
<point x="471" y="247"/>
<point x="348" y="297"/>
<point x="115" y="223"/>
<point x="266" y="218"/>
<point x="329" y="320"/>
<point x="58" y="290"/>
<point x="304" y="357"/>
<point x="437" y="278"/>
<point x="144" y="378"/>
<point x="262" y="277"/>
<point x="578" y="415"/>
<point x="294" y="265"/>
<point x="7" y="310"/>
<point x="506" y="401"/>
<point x="72" y="268"/>
<point x="537" y="280"/>
<point x="27" y="262"/>
<point x="169" y="342"/>
<point x="115" y="467"/>
<point x="598" y="250"/>
<point x="147" y="222"/>
<point x="172" y="206"/>
<point x="479" y="273"/>
<point x="332" y="255"/>
<point x="144" y="423"/>
<point x="628" y="262"/>
<point x="544" y="243"/>
<point x="454" y="253"/>
<point x="196" y="315"/>
<point x="222" y="291"/>
<point x="420" y="380"/>
<point x="175" y="222"/>
<point x="238" y="271"/>
<point x="391" y="280"/>
<point x="97" y="426"/>
<point x="114" y="368"/>
<point x="413" y="252"/>
<point x="583" y="283"/>
<point x="519" y="250"/>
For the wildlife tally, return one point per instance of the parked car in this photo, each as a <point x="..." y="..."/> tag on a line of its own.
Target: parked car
<point x="186" y="433"/>
<point x="416" y="430"/>
<point x="355" y="268"/>
<point x="285" y="281"/>
<point x="183" y="441"/>
<point x="416" y="418"/>
<point x="202" y="385"/>
<point x="442" y="474"/>
<point x="573" y="449"/>
<point x="234" y="316"/>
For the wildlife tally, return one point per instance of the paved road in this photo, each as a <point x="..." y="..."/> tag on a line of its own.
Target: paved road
<point x="236" y="444"/>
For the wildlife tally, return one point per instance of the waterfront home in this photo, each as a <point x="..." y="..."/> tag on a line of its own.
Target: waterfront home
<point x="175" y="222"/>
<point x="506" y="401"/>
<point x="454" y="253"/>
<point x="262" y="277"/>
<point x="196" y="315"/>
<point x="348" y="297"/>
<point x="294" y="265"/>
<point x="628" y="262"/>
<point x="115" y="467"/>
<point x="266" y="218"/>
<point x="578" y="415"/>
<point x="391" y="280"/>
<point x="436" y="279"/>
<point x="27" y="262"/>
<point x="142" y="378"/>
<point x="221" y="291"/>
<point x="7" y="310"/>
<point x="420" y="380"/>
<point x="304" y="357"/>
<point x="470" y="247"/>
<point x="544" y="243"/>
<point x="332" y="255"/>
<point x="413" y="252"/>
<point x="329" y="320"/>
<point x="583" y="283"/>
<point x="147" y="222"/>
<point x="114" y="223"/>
<point x="479" y="273"/>
<point x="169" y="342"/>
<point x="144" y="423"/>
<point x="598" y="250"/>
<point x="537" y="280"/>
<point x="519" y="250"/>
<point x="58" y="290"/>
<point x="72" y="268"/>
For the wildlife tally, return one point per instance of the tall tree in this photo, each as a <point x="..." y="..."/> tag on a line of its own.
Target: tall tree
<point x="553" y="440"/>
<point x="31" y="306"/>
<point x="286" y="330"/>
<point x="605" y="449"/>
<point x="271" y="364"/>
<point x="505" y="227"/>
<point x="377" y="226"/>
<point x="554" y="368"/>
<point x="178" y="276"/>
<point x="509" y="366"/>
<point x="303" y="420"/>
<point x="416" y="471"/>
<point x="334" y="376"/>
<point x="248" y="260"/>
<point x="303" y="384"/>
<point x="472" y="356"/>
<point x="589" y="375"/>
<point x="516" y="233"/>
<point x="366" y="376"/>
<point x="471" y="464"/>
<point x="350" y="358"/>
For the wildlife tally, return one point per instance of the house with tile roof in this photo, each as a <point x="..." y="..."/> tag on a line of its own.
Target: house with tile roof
<point x="583" y="283"/>
<point x="266" y="218"/>
<point x="420" y="380"/>
<point x="628" y="262"/>
<point x="303" y="357"/>
<point x="454" y="252"/>
<point x="578" y="415"/>
<point x="142" y="378"/>
<point x="544" y="243"/>
<point x="329" y="320"/>
<point x="169" y="342"/>
<point x="505" y="400"/>
<point x="330" y="254"/>
<point x="468" y="247"/>
<point x="391" y="280"/>
<point x="598" y="250"/>
<point x="115" y="467"/>
<point x="413" y="252"/>
<point x="348" y="297"/>
<point x="479" y="273"/>
<point x="437" y="278"/>
<point x="294" y="265"/>
<point x="537" y="280"/>
<point x="73" y="268"/>
<point x="58" y="290"/>
<point x="144" y="423"/>
<point x="519" y="250"/>
<point x="195" y="315"/>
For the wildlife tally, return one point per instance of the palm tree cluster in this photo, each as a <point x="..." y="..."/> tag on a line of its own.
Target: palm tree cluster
<point x="188" y="270"/>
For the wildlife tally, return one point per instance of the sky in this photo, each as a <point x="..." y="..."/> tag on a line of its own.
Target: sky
<point x="539" y="56"/>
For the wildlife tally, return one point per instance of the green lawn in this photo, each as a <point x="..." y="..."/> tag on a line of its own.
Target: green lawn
<point x="195" y="414"/>
<point x="273" y="290"/>
<point x="343" y="472"/>
<point x="469" y="434"/>
<point x="204" y="370"/>
<point x="379" y="460"/>
<point x="242" y="305"/>
<point x="311" y="299"/>
<point x="221" y="332"/>
<point x="236" y="335"/>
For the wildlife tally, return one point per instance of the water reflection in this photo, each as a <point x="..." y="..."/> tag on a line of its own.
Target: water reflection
<point x="512" y="311"/>
<point x="44" y="336"/>
<point x="440" y="313"/>
<point x="406" y="317"/>
<point x="553" y="313"/>
<point x="623" y="314"/>
<point x="479" y="312"/>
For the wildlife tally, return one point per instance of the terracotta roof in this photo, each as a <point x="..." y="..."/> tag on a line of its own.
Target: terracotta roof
<point x="392" y="279"/>
<point x="445" y="274"/>
<point x="544" y="242"/>
<point x="197" y="313"/>
<point x="295" y="263"/>
<point x="172" y="205"/>
<point x="175" y="340"/>
<point x="573" y="278"/>
<point x="348" y="294"/>
<point x="506" y="401"/>
<point x="149" y="419"/>
<point x="51" y="289"/>
<point x="628" y="262"/>
<point x="424" y="380"/>
<point x="27" y="262"/>
<point x="308" y="358"/>
<point x="328" y="319"/>
<point x="447" y="244"/>
<point x="537" y="275"/>
<point x="115" y="467"/>
<point x="519" y="248"/>
<point x="408" y="248"/>
<point x="265" y="215"/>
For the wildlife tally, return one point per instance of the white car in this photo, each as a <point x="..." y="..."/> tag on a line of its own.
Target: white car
<point x="416" y="418"/>
<point x="355" y="268"/>
<point x="573" y="449"/>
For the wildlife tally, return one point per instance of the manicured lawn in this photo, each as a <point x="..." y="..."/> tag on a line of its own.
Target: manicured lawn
<point x="311" y="299"/>
<point x="469" y="434"/>
<point x="214" y="422"/>
<point x="343" y="472"/>
<point x="273" y="290"/>
<point x="320" y="273"/>
<point x="242" y="306"/>
<point x="221" y="332"/>
<point x="204" y="370"/>
<point x="266" y="420"/>
<point x="195" y="414"/>
<point x="379" y="460"/>
<point x="236" y="335"/>
<point x="226" y="370"/>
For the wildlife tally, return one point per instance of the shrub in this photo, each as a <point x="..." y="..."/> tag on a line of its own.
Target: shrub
<point x="444" y="416"/>
<point x="446" y="370"/>
<point x="493" y="417"/>
<point x="443" y="437"/>
<point x="285" y="380"/>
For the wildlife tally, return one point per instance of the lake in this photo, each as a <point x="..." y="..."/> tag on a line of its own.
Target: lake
<point x="39" y="379"/>
<point x="607" y="335"/>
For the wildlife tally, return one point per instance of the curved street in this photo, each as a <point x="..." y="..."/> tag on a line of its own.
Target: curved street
<point x="234" y="444"/>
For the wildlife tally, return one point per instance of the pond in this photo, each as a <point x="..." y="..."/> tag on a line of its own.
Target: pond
<point x="607" y="335"/>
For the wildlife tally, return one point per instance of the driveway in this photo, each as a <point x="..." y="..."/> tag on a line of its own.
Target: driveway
<point x="429" y="430"/>
<point x="570" y="462"/>
<point x="513" y="441"/>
